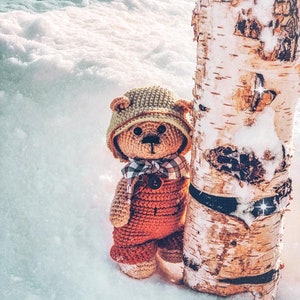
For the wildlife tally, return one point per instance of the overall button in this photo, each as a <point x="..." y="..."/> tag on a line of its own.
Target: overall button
<point x="154" y="182"/>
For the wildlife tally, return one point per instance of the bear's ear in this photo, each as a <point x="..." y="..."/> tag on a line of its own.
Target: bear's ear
<point x="184" y="106"/>
<point x="119" y="103"/>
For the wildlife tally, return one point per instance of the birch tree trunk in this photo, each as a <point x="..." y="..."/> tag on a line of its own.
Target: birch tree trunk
<point x="245" y="94"/>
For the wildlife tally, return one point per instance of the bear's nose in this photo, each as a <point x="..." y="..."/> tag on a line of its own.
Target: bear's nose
<point x="151" y="139"/>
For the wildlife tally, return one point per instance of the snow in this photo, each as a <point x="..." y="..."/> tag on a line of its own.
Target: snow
<point x="262" y="137"/>
<point x="61" y="63"/>
<point x="269" y="39"/>
<point x="261" y="9"/>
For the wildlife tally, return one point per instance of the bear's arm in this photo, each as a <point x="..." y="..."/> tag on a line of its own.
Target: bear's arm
<point x="120" y="208"/>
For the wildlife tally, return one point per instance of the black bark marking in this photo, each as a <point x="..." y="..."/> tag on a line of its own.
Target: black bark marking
<point x="248" y="25"/>
<point x="261" y="96"/>
<point x="188" y="262"/>
<point x="259" y="279"/>
<point x="244" y="166"/>
<point x="203" y="108"/>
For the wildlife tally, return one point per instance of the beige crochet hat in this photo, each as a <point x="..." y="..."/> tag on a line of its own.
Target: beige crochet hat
<point x="154" y="104"/>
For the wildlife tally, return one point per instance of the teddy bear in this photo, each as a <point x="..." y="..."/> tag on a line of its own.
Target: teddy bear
<point x="150" y="130"/>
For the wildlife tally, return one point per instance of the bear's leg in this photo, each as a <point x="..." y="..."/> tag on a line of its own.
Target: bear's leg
<point x="170" y="256"/>
<point x="137" y="261"/>
<point x="140" y="270"/>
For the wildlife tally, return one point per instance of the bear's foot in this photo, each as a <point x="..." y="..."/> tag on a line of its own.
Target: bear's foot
<point x="140" y="270"/>
<point x="171" y="265"/>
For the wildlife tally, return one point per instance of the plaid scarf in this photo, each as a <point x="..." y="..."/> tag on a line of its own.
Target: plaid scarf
<point x="172" y="166"/>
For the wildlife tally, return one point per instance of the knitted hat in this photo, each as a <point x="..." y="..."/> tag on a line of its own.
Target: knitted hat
<point x="153" y="104"/>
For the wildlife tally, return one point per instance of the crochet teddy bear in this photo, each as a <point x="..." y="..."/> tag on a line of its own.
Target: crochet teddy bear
<point x="149" y="130"/>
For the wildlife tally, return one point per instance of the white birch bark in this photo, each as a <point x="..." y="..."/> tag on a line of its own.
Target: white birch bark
<point x="246" y="91"/>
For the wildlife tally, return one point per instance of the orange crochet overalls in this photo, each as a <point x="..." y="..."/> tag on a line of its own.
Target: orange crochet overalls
<point x="156" y="220"/>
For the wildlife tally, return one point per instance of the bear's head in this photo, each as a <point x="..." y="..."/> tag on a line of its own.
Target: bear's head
<point x="149" y="123"/>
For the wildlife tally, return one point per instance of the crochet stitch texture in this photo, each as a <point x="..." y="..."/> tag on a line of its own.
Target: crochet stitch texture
<point x="155" y="104"/>
<point x="150" y="130"/>
<point x="155" y="215"/>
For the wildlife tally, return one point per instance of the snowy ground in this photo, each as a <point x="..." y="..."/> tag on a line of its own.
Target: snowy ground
<point x="59" y="70"/>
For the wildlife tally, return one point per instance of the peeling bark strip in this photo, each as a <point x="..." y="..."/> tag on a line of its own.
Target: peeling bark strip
<point x="284" y="189"/>
<point x="286" y="25"/>
<point x="245" y="93"/>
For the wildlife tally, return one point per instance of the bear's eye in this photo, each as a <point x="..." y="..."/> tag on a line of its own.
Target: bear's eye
<point x="161" y="129"/>
<point x="137" y="131"/>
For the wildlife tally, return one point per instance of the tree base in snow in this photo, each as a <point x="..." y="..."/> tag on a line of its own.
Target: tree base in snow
<point x="262" y="292"/>
<point x="245" y="93"/>
<point x="225" y="256"/>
